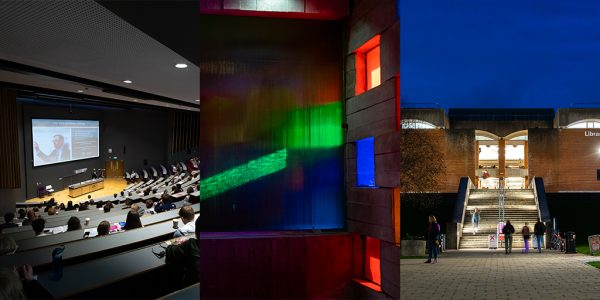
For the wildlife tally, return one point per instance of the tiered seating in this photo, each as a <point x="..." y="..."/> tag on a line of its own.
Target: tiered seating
<point x="155" y="225"/>
<point x="106" y="259"/>
<point x="190" y="292"/>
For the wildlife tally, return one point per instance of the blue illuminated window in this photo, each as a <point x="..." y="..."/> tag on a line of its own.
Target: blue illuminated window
<point x="365" y="162"/>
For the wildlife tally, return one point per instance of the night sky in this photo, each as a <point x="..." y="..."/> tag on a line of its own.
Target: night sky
<point x="480" y="53"/>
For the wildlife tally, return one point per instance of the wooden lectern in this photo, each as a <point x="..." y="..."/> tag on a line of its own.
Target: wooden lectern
<point x="114" y="168"/>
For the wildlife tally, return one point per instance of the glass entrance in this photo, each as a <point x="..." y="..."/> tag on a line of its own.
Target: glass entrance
<point x="501" y="158"/>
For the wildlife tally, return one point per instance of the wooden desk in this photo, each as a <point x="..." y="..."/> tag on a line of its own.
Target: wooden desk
<point x="78" y="189"/>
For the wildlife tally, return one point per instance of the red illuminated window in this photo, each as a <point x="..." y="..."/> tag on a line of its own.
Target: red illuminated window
<point x="372" y="260"/>
<point x="367" y="261"/>
<point x="368" y="65"/>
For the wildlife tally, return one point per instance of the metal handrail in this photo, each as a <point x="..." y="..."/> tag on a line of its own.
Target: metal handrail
<point x="535" y="196"/>
<point x="470" y="186"/>
<point x="501" y="200"/>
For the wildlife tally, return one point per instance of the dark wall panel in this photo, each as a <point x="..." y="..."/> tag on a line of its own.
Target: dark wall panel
<point x="295" y="267"/>
<point x="9" y="143"/>
<point x="271" y="123"/>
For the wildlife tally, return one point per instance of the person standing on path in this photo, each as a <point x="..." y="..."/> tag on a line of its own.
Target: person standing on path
<point x="508" y="231"/>
<point x="475" y="220"/>
<point x="539" y="231"/>
<point x="526" y="235"/>
<point x="433" y="234"/>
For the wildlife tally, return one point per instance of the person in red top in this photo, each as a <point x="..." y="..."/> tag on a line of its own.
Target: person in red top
<point x="433" y="235"/>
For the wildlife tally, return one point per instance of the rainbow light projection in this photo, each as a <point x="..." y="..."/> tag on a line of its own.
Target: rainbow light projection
<point x="324" y="132"/>
<point x="243" y="174"/>
<point x="271" y="124"/>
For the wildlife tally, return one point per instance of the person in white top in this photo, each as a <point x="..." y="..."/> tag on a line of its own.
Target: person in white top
<point x="187" y="217"/>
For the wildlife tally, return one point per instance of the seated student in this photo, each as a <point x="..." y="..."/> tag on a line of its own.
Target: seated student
<point x="22" y="214"/>
<point x="100" y="204"/>
<point x="8" y="246"/>
<point x="62" y="206"/>
<point x="76" y="206"/>
<point x="187" y="217"/>
<point x="11" y="286"/>
<point x="128" y="203"/>
<point x="137" y="209"/>
<point x="164" y="204"/>
<point x="47" y="207"/>
<point x="70" y="206"/>
<point x="150" y="207"/>
<point x="51" y="211"/>
<point x="52" y="201"/>
<point x="38" y="226"/>
<point x="106" y="208"/>
<point x="73" y="224"/>
<point x="103" y="228"/>
<point x="184" y="259"/>
<point x="8" y="221"/>
<point x="31" y="287"/>
<point x="188" y="198"/>
<point x="133" y="221"/>
<point x="31" y="216"/>
<point x="84" y="206"/>
<point x="115" y="197"/>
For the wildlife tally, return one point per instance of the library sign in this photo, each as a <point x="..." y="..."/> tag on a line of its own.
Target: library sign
<point x="591" y="133"/>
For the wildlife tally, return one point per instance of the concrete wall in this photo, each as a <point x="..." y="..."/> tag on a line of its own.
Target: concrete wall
<point x="436" y="117"/>
<point x="500" y="128"/>
<point x="567" y="116"/>
<point x="370" y="212"/>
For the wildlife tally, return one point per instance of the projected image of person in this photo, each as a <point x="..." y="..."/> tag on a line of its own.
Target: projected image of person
<point x="61" y="151"/>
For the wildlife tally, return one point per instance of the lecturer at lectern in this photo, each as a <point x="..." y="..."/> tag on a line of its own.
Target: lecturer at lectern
<point x="61" y="150"/>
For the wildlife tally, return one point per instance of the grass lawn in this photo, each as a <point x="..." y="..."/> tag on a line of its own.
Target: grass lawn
<point x="595" y="264"/>
<point x="584" y="249"/>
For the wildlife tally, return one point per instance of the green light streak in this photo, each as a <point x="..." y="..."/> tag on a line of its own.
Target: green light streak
<point x="237" y="176"/>
<point x="315" y="127"/>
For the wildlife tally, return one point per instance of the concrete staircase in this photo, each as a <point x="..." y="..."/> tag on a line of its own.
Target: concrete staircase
<point x="519" y="208"/>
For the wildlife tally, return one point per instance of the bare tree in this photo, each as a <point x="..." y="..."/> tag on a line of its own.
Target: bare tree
<point x="422" y="163"/>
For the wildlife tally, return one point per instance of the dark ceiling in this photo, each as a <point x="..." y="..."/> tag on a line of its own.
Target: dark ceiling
<point x="175" y="24"/>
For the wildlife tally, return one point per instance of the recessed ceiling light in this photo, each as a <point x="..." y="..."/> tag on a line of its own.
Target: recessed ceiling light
<point x="135" y="100"/>
<point x="197" y="100"/>
<point x="180" y="66"/>
<point x="80" y="91"/>
<point x="127" y="81"/>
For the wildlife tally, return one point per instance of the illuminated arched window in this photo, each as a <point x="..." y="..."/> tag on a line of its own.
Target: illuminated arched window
<point x="590" y="123"/>
<point x="416" y="124"/>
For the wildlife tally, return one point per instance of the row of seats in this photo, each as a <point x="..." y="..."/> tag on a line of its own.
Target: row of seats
<point x="113" y="258"/>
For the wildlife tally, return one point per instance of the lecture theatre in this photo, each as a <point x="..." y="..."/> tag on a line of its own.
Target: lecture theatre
<point x="542" y="163"/>
<point x="99" y="135"/>
<point x="135" y="135"/>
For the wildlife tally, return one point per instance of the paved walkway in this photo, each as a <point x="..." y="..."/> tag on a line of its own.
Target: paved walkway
<point x="485" y="274"/>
